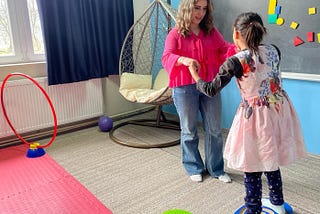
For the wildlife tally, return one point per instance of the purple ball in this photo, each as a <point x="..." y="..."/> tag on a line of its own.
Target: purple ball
<point x="105" y="123"/>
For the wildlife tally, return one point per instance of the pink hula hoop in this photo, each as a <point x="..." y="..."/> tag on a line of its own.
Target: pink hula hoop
<point x="48" y="99"/>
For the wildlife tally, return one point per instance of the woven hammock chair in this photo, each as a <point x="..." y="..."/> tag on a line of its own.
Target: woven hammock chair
<point x="142" y="76"/>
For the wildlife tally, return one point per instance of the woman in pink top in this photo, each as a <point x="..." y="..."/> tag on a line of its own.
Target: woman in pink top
<point x="195" y="40"/>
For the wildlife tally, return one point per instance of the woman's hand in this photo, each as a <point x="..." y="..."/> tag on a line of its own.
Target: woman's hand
<point x="187" y="61"/>
<point x="193" y="68"/>
<point x="192" y="64"/>
<point x="232" y="50"/>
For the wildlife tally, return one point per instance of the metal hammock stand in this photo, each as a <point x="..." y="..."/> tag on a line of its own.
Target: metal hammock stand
<point x="142" y="77"/>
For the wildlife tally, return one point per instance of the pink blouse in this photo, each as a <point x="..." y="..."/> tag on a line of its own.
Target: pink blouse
<point x="209" y="50"/>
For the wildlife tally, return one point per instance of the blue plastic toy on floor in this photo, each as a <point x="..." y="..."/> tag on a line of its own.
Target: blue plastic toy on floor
<point x="265" y="210"/>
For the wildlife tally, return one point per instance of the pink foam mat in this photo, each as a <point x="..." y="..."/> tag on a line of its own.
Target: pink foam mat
<point x="40" y="185"/>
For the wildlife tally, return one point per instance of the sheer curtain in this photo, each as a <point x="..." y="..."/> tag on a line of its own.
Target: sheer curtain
<point x="83" y="38"/>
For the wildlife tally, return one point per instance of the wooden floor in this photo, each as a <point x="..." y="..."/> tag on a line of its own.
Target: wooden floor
<point x="151" y="181"/>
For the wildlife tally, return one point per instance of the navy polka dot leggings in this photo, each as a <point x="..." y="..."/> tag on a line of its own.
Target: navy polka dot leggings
<point x="253" y="185"/>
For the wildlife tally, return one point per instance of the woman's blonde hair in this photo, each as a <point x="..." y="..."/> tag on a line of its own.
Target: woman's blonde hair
<point x="184" y="17"/>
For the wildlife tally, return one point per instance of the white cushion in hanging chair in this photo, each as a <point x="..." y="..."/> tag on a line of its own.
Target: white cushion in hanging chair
<point x="138" y="87"/>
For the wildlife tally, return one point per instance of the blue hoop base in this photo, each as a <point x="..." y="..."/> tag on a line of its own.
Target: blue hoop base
<point x="35" y="153"/>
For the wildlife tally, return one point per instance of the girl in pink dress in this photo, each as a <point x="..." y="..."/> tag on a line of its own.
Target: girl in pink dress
<point x="266" y="132"/>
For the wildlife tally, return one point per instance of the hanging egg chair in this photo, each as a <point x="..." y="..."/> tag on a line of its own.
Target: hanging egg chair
<point x="142" y="76"/>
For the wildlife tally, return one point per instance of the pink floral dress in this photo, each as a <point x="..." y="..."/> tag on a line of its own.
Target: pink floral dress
<point x="265" y="133"/>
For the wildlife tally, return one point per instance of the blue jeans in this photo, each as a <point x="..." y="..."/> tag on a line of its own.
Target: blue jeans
<point x="188" y="101"/>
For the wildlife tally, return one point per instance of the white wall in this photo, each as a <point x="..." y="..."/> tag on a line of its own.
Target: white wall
<point x="139" y="7"/>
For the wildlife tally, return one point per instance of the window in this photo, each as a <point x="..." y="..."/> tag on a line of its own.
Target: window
<point x="21" y="38"/>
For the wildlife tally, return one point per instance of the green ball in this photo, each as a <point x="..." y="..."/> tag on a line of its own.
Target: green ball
<point x="176" y="211"/>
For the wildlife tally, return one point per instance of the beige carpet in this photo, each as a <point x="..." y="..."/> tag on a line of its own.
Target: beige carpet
<point x="150" y="181"/>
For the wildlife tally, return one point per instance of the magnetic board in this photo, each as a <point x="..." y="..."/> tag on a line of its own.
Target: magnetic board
<point x="303" y="58"/>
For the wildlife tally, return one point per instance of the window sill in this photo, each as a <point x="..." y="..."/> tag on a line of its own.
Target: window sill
<point x="21" y="64"/>
<point x="33" y="69"/>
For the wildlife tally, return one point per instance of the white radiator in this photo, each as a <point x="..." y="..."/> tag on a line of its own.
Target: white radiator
<point x="28" y="109"/>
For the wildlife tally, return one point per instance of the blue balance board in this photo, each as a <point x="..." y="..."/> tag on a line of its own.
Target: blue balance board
<point x="265" y="210"/>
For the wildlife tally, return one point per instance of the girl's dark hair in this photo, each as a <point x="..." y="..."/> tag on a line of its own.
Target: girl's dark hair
<point x="251" y="28"/>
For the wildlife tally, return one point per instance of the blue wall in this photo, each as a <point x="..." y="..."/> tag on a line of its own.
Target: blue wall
<point x="306" y="99"/>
